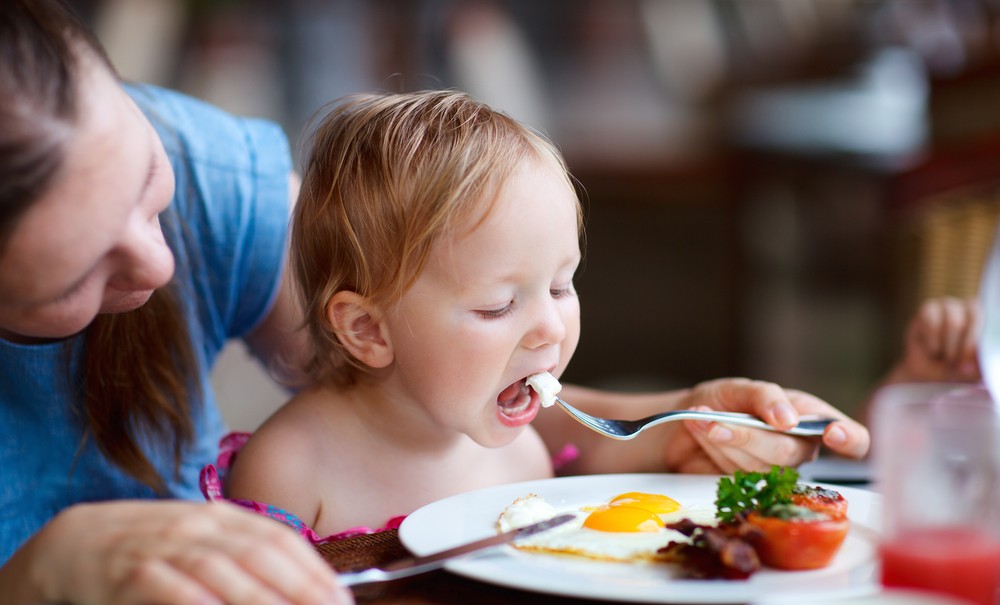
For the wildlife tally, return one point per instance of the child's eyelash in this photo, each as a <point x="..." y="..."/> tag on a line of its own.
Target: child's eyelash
<point x="561" y="292"/>
<point x="508" y="309"/>
<point x="496" y="313"/>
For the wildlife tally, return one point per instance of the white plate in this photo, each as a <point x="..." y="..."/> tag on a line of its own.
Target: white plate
<point x="465" y="517"/>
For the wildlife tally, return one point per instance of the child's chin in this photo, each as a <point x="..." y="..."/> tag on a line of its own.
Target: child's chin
<point x="499" y="438"/>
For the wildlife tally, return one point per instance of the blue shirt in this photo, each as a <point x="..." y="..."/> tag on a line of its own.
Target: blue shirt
<point x="231" y="205"/>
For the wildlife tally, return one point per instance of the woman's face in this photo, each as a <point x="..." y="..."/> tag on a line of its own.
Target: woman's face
<point x="92" y="243"/>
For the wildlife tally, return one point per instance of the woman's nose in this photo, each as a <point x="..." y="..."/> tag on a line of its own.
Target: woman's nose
<point x="145" y="260"/>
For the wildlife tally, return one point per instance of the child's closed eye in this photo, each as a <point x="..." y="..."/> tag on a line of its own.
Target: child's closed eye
<point x="496" y="313"/>
<point x="563" y="292"/>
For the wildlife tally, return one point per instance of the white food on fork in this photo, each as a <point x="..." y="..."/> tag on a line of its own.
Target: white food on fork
<point x="546" y="386"/>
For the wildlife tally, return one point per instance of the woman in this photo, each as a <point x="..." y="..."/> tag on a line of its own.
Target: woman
<point x="139" y="231"/>
<point x="87" y="307"/>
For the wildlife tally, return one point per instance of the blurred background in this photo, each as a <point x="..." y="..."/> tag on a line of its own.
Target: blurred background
<point x="770" y="186"/>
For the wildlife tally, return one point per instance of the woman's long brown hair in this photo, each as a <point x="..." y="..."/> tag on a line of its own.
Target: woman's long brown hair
<point x="138" y="373"/>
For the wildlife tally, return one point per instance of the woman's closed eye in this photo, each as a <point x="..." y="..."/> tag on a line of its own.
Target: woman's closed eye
<point x="70" y="294"/>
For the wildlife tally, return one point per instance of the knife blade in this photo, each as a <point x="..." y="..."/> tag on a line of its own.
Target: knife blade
<point x="411" y="566"/>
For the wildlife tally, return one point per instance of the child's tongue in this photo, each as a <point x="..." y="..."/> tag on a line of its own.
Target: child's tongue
<point x="513" y="395"/>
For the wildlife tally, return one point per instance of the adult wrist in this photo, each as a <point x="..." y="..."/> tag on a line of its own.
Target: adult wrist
<point x="23" y="577"/>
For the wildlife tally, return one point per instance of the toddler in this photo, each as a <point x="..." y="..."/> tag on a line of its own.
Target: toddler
<point x="434" y="245"/>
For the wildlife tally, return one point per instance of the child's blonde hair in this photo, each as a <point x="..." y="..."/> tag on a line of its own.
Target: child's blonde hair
<point x="387" y="177"/>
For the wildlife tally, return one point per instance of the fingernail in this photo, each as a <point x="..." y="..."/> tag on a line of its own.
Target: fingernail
<point x="835" y="435"/>
<point x="784" y="414"/>
<point x="721" y="434"/>
<point x="967" y="369"/>
<point x="702" y="425"/>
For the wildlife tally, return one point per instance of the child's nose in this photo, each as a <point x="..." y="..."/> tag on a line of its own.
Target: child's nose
<point x="549" y="327"/>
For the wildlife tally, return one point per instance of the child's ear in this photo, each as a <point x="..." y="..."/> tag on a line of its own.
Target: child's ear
<point x="353" y="319"/>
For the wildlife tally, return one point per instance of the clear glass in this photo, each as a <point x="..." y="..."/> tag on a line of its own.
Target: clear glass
<point x="937" y="462"/>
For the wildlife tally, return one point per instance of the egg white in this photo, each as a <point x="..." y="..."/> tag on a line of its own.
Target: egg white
<point x="573" y="538"/>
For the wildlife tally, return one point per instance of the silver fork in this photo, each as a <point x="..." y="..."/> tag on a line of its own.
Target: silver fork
<point x="808" y="426"/>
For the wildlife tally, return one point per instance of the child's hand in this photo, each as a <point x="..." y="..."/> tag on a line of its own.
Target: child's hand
<point x="941" y="342"/>
<point x="718" y="448"/>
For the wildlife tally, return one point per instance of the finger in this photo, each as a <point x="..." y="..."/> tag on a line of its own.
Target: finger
<point x="713" y="453"/>
<point x="281" y="537"/>
<point x="705" y="447"/>
<point x="154" y="582"/>
<point x="248" y="558"/>
<point x="281" y="573"/>
<point x="924" y="333"/>
<point x="952" y="330"/>
<point x="757" y="449"/>
<point x="684" y="454"/>
<point x="765" y="400"/>
<point x="679" y="449"/>
<point x="807" y="403"/>
<point x="967" y="365"/>
<point x="221" y="574"/>
<point x="732" y="447"/>
<point x="847" y="438"/>
<point x="277" y="556"/>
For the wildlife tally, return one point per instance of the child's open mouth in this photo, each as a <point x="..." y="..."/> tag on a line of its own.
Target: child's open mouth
<point x="517" y="404"/>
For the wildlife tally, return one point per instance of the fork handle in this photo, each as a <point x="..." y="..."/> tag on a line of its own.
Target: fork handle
<point x="808" y="426"/>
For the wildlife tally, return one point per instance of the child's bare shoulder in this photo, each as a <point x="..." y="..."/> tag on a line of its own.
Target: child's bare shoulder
<point x="278" y="463"/>
<point x="295" y="422"/>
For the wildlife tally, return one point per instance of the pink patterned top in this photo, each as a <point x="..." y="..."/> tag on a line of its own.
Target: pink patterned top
<point x="213" y="477"/>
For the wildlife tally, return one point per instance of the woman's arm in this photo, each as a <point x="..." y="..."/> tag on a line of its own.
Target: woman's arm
<point x="278" y="342"/>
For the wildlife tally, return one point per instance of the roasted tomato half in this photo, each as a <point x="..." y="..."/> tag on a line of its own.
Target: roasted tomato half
<point x="795" y="540"/>
<point x="821" y="500"/>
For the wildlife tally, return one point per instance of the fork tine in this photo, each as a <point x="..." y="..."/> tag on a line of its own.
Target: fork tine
<point x="577" y="414"/>
<point x="610" y="428"/>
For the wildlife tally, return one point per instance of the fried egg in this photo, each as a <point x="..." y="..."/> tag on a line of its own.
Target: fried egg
<point x="546" y="386"/>
<point x="628" y="527"/>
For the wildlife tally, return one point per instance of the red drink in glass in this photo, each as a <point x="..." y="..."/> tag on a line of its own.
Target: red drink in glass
<point x="954" y="561"/>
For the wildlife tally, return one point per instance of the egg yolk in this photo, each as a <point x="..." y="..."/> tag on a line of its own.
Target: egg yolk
<point x="654" y="503"/>
<point x="620" y="518"/>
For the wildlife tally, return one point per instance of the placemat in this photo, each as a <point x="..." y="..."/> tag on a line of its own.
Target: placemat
<point x="364" y="551"/>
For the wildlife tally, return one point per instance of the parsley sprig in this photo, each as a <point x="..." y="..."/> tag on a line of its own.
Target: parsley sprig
<point x="750" y="491"/>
